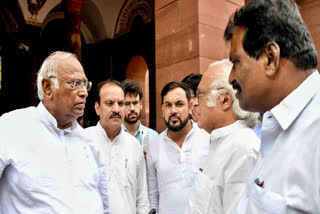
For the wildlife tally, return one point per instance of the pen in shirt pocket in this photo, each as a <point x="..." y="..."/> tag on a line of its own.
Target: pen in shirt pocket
<point x="259" y="183"/>
<point x="126" y="162"/>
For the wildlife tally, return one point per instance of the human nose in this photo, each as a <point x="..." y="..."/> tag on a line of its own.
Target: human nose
<point x="116" y="107"/>
<point x="196" y="102"/>
<point x="83" y="92"/>
<point x="131" y="106"/>
<point x="173" y="109"/>
<point x="231" y="75"/>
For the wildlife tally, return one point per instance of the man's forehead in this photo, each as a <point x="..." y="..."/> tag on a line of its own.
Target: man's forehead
<point x="112" y="91"/>
<point x="175" y="95"/>
<point x="207" y="79"/>
<point x="237" y="38"/>
<point x="132" y="96"/>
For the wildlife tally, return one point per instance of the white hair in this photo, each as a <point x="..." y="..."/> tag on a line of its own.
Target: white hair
<point x="221" y="85"/>
<point x="49" y="68"/>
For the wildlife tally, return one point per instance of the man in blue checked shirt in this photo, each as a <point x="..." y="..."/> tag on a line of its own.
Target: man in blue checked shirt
<point x="133" y="107"/>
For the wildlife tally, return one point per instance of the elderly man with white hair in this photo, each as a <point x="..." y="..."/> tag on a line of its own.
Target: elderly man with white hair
<point x="46" y="164"/>
<point x="233" y="144"/>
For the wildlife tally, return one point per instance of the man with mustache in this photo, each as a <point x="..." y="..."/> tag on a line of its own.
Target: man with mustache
<point x="46" y="163"/>
<point x="176" y="154"/>
<point x="233" y="144"/>
<point x="274" y="73"/>
<point x="121" y="153"/>
<point x="133" y="107"/>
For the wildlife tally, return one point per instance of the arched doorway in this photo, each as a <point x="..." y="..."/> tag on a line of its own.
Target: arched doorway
<point x="137" y="70"/>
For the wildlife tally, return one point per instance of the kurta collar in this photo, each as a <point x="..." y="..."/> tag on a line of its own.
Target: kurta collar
<point x="103" y="132"/>
<point x="290" y="107"/>
<point x="49" y="120"/>
<point x="216" y="134"/>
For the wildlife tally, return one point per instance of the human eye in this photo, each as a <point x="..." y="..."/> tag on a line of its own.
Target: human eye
<point x="135" y="103"/>
<point x="180" y="104"/>
<point x="127" y="103"/>
<point x="109" y="103"/>
<point x="167" y="105"/>
<point x="120" y="103"/>
<point x="77" y="84"/>
<point x="234" y="61"/>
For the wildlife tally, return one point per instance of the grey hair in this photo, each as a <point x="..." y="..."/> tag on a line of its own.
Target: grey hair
<point x="49" y="68"/>
<point x="221" y="85"/>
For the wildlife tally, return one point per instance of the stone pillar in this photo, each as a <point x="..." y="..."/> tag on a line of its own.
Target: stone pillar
<point x="73" y="8"/>
<point x="189" y="36"/>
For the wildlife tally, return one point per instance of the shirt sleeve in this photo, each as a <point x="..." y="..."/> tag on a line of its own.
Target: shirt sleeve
<point x="236" y="177"/>
<point x="142" y="191"/>
<point x="3" y="154"/>
<point x="152" y="182"/>
<point x="103" y="189"/>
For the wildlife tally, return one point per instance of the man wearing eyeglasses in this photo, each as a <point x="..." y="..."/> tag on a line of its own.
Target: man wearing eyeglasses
<point x="46" y="164"/>
<point x="233" y="144"/>
<point x="133" y="108"/>
<point x="121" y="152"/>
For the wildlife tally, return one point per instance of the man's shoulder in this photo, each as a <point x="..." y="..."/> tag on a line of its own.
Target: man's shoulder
<point x="200" y="132"/>
<point x="150" y="130"/>
<point x="128" y="138"/>
<point x="19" y="117"/>
<point x="244" y="139"/>
<point x="25" y="112"/>
<point x="154" y="145"/>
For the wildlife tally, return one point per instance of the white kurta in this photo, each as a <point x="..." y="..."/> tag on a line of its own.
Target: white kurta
<point x="125" y="170"/>
<point x="171" y="169"/>
<point x="289" y="158"/>
<point x="44" y="169"/>
<point x="232" y="155"/>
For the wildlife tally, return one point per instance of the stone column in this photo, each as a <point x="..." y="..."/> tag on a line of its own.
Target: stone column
<point x="189" y="36"/>
<point x="73" y="8"/>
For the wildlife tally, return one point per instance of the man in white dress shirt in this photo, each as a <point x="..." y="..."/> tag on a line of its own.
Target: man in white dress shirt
<point x="233" y="144"/>
<point x="176" y="154"/>
<point x="120" y="151"/>
<point x="46" y="164"/>
<point x="275" y="73"/>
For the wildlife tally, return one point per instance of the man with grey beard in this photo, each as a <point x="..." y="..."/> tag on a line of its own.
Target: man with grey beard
<point x="176" y="154"/>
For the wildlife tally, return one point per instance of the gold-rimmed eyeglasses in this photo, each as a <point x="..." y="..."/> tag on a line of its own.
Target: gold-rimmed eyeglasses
<point x="77" y="84"/>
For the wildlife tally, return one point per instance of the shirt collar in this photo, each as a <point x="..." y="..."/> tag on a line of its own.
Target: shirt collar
<point x="103" y="132"/>
<point x="291" y="106"/>
<point x="226" y="130"/>
<point x="123" y="127"/>
<point x="49" y="120"/>
<point x="194" y="126"/>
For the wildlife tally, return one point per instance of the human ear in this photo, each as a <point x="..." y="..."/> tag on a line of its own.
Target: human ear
<point x="97" y="107"/>
<point x="46" y="85"/>
<point x="273" y="56"/>
<point x="226" y="101"/>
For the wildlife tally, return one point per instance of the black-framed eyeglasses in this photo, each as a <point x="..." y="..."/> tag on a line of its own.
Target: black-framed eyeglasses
<point x="198" y="93"/>
<point x="77" y="84"/>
